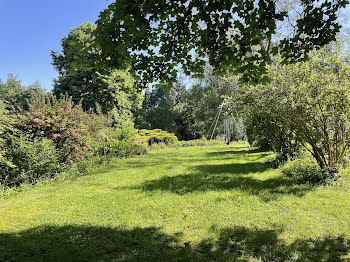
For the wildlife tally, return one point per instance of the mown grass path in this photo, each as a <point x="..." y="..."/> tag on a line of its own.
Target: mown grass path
<point x="179" y="205"/>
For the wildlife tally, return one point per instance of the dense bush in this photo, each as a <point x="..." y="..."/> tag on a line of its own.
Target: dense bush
<point x="5" y="134"/>
<point x="53" y="134"/>
<point x="158" y="136"/>
<point x="41" y="141"/>
<point x="306" y="105"/>
<point x="304" y="170"/>
<point x="31" y="159"/>
<point x="15" y="96"/>
<point x="114" y="142"/>
<point x="66" y="124"/>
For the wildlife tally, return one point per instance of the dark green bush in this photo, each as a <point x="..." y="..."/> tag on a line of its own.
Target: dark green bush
<point x="30" y="160"/>
<point x="304" y="170"/>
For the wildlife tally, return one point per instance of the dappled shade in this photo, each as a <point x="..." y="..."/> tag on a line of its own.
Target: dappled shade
<point x="89" y="243"/>
<point x="227" y="177"/>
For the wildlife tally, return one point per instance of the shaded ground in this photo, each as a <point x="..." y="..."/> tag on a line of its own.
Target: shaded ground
<point x="82" y="243"/>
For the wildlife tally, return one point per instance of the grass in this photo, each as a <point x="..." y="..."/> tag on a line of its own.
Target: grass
<point x="179" y="205"/>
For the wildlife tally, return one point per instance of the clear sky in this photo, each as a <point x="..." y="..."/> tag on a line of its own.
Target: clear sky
<point x="30" y="29"/>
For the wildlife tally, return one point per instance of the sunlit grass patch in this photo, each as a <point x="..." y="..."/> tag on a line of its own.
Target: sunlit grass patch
<point x="179" y="204"/>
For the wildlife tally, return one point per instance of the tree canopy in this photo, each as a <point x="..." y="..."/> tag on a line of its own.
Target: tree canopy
<point x="15" y="95"/>
<point x="305" y="104"/>
<point x="157" y="37"/>
<point x="113" y="90"/>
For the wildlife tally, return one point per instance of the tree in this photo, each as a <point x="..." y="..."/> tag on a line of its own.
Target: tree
<point x="204" y="99"/>
<point x="113" y="90"/>
<point x="157" y="111"/>
<point x="15" y="95"/>
<point x="308" y="103"/>
<point x="189" y="113"/>
<point x="154" y="37"/>
<point x="167" y="110"/>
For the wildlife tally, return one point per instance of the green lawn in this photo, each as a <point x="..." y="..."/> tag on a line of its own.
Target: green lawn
<point x="179" y="205"/>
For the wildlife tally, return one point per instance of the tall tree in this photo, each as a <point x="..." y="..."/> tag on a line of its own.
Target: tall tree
<point x="153" y="37"/>
<point x="15" y="95"/>
<point x="166" y="110"/>
<point x="156" y="111"/>
<point x="187" y="113"/>
<point x="205" y="98"/>
<point x="113" y="90"/>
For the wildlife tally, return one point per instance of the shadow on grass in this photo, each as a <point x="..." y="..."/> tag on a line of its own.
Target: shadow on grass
<point x="88" y="243"/>
<point x="176" y="159"/>
<point x="228" y="177"/>
<point x="266" y="190"/>
<point x="247" y="244"/>
<point x="233" y="169"/>
<point x="157" y="161"/>
<point x="239" y="150"/>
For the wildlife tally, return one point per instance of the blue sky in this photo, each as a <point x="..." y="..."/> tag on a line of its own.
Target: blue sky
<point x="30" y="29"/>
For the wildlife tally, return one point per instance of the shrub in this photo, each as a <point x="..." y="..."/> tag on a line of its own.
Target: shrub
<point x="195" y="142"/>
<point x="66" y="124"/>
<point x="140" y="145"/>
<point x="307" y="104"/>
<point x="30" y="160"/>
<point x="158" y="136"/>
<point x="157" y="146"/>
<point x="4" y="128"/>
<point x="115" y="142"/>
<point x="304" y="170"/>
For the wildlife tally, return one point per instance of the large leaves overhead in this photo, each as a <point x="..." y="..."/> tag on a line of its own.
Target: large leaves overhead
<point x="157" y="37"/>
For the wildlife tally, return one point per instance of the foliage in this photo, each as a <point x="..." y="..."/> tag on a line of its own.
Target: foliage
<point x="165" y="110"/>
<point x="31" y="159"/>
<point x="5" y="134"/>
<point x="237" y="129"/>
<point x="188" y="113"/>
<point x="157" y="136"/>
<point x="267" y="133"/>
<point x="156" y="111"/>
<point x="113" y="90"/>
<point x="155" y="37"/>
<point x="15" y="95"/>
<point x="194" y="142"/>
<point x="304" y="170"/>
<point x="115" y="142"/>
<point x="306" y="104"/>
<point x="316" y="105"/>
<point x="204" y="100"/>
<point x="60" y="120"/>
